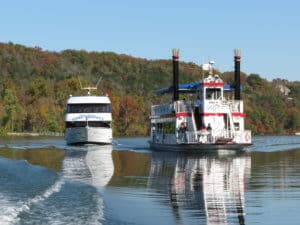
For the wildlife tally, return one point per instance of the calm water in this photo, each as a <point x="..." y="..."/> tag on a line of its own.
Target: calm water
<point x="43" y="181"/>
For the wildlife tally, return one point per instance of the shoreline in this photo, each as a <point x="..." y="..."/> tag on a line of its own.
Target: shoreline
<point x="58" y="134"/>
<point x="35" y="134"/>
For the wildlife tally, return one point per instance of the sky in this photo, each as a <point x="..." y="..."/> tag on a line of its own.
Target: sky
<point x="267" y="32"/>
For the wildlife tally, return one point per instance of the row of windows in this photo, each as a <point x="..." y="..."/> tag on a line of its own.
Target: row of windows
<point x="89" y="123"/>
<point x="167" y="128"/>
<point x="88" y="108"/>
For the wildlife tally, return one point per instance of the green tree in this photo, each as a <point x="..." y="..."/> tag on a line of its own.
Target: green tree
<point x="35" y="84"/>
<point x="11" y="108"/>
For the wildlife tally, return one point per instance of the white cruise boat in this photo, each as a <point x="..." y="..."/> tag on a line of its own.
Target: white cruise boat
<point x="211" y="119"/>
<point x="88" y="119"/>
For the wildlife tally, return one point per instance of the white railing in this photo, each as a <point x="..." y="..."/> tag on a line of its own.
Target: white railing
<point x="179" y="106"/>
<point x="192" y="137"/>
<point x="235" y="105"/>
<point x="183" y="106"/>
<point x="157" y="110"/>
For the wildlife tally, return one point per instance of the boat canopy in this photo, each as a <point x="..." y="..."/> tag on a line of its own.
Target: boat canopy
<point x="89" y="99"/>
<point x="189" y="88"/>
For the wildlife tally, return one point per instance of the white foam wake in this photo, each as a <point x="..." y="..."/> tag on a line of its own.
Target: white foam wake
<point x="9" y="213"/>
<point x="98" y="216"/>
<point x="75" y="168"/>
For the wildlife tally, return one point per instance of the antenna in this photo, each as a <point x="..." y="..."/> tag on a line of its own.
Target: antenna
<point x="98" y="82"/>
<point x="91" y="88"/>
<point x="79" y="82"/>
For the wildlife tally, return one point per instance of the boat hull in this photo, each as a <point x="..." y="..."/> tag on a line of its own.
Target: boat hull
<point x="88" y="135"/>
<point x="198" y="147"/>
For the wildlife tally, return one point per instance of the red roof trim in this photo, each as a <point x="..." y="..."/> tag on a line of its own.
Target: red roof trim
<point x="212" y="84"/>
<point x="239" y="114"/>
<point x="186" y="114"/>
<point x="183" y="114"/>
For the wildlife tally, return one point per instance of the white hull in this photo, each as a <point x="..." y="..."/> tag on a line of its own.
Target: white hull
<point x="86" y="135"/>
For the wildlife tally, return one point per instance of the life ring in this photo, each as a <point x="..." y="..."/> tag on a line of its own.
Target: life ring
<point x="247" y="136"/>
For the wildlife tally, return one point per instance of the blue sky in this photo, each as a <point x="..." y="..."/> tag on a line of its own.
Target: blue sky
<point x="267" y="32"/>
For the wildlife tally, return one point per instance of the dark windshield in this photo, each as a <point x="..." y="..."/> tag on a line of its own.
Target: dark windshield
<point x="88" y="108"/>
<point x="213" y="93"/>
<point x="105" y="124"/>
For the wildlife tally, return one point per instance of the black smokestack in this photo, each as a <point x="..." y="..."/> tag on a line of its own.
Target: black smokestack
<point x="237" y="74"/>
<point x="175" y="53"/>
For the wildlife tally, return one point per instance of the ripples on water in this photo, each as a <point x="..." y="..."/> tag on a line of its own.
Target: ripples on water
<point x="43" y="181"/>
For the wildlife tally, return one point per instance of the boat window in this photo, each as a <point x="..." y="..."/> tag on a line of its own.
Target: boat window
<point x="166" y="128"/>
<point x="237" y="126"/>
<point x="213" y="93"/>
<point x="105" y="124"/>
<point x="76" y="124"/>
<point x="99" y="124"/>
<point x="88" y="108"/>
<point x="159" y="127"/>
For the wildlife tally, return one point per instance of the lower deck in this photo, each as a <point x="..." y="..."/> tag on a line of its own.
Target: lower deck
<point x="198" y="147"/>
<point x="220" y="137"/>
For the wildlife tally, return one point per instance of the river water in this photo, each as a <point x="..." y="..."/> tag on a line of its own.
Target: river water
<point x="43" y="181"/>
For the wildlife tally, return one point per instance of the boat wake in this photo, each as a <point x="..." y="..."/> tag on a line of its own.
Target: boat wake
<point x="36" y="195"/>
<point x="275" y="143"/>
<point x="35" y="143"/>
<point x="9" y="211"/>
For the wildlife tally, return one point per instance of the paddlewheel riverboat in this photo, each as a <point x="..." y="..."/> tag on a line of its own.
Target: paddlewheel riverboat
<point x="212" y="118"/>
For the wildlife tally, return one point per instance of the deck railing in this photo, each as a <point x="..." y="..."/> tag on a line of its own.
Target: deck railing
<point x="235" y="105"/>
<point x="192" y="137"/>
<point x="183" y="106"/>
<point x="157" y="110"/>
<point x="179" y="106"/>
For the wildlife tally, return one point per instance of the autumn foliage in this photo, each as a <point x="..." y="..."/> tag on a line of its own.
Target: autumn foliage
<point x="35" y="84"/>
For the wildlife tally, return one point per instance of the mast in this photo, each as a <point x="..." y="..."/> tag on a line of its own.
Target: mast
<point x="175" y="58"/>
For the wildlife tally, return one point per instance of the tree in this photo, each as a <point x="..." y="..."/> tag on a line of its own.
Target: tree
<point x="35" y="85"/>
<point x="11" y="108"/>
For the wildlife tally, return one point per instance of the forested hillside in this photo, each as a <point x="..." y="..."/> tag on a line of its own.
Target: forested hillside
<point x="35" y="84"/>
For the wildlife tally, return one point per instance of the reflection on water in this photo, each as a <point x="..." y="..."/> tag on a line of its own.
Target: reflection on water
<point x="145" y="187"/>
<point x="100" y="164"/>
<point x="47" y="157"/>
<point x="195" y="188"/>
<point x="91" y="164"/>
<point x="204" y="187"/>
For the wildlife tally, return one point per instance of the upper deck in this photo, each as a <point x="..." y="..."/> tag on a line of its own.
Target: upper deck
<point x="235" y="107"/>
<point x="92" y="108"/>
<point x="88" y="99"/>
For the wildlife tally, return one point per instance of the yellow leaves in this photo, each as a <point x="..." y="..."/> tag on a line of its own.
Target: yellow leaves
<point x="2" y="110"/>
<point x="42" y="108"/>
